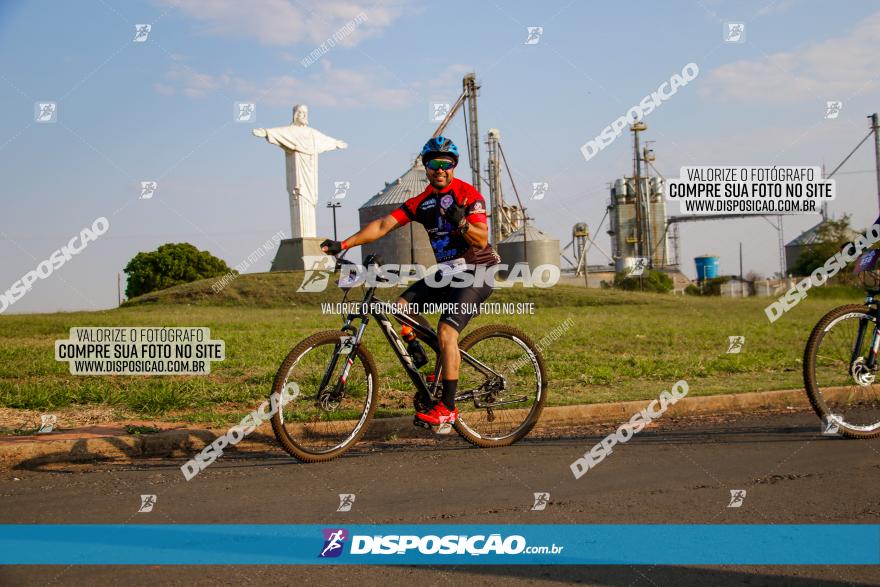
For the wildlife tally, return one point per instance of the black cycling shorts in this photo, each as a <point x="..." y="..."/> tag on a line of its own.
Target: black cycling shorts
<point x="462" y="303"/>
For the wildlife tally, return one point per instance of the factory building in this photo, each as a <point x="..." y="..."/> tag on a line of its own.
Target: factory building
<point x="624" y="230"/>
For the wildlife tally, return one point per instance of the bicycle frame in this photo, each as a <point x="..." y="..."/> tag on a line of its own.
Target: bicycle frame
<point x="379" y="310"/>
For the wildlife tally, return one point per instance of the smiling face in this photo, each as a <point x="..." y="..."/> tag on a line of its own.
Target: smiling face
<point x="441" y="178"/>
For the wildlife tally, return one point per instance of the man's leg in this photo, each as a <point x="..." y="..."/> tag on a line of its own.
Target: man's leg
<point x="451" y="360"/>
<point x="465" y="303"/>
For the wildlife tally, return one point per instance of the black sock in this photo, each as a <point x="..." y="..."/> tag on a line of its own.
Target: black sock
<point x="450" y="387"/>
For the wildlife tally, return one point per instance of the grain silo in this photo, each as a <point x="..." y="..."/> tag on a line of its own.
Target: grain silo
<point x="624" y="231"/>
<point x="537" y="248"/>
<point x="408" y="244"/>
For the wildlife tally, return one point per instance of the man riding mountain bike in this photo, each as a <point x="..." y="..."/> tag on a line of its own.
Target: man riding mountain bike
<point x="454" y="214"/>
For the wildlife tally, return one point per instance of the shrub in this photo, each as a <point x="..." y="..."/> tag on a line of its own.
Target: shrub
<point x="170" y="264"/>
<point x="651" y="280"/>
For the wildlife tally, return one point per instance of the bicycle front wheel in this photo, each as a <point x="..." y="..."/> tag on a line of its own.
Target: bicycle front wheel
<point x="838" y="381"/>
<point x="499" y="407"/>
<point x="325" y="414"/>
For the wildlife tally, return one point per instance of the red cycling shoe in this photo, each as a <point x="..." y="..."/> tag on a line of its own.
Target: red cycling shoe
<point x="438" y="415"/>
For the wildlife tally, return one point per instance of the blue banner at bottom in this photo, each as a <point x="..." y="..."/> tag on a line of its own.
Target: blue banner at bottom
<point x="618" y="544"/>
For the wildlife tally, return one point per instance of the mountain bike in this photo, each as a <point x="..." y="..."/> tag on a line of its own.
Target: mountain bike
<point x="502" y="384"/>
<point x="841" y="362"/>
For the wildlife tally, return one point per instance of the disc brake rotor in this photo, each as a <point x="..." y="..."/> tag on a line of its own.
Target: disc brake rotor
<point x="326" y="400"/>
<point x="861" y="373"/>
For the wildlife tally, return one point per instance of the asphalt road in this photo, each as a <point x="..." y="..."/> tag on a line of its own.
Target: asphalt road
<point x="680" y="472"/>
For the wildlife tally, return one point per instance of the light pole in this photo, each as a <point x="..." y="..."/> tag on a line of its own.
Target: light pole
<point x="334" y="206"/>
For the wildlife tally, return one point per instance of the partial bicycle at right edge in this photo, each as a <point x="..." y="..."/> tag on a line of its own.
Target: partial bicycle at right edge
<point x="841" y="362"/>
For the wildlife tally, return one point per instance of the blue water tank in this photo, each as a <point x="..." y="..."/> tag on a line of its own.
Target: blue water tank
<point x="707" y="267"/>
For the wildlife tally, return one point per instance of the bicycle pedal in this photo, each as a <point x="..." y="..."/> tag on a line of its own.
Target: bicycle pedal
<point x="444" y="428"/>
<point x="421" y="424"/>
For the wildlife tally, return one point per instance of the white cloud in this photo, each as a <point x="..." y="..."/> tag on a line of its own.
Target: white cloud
<point x="330" y="87"/>
<point x="835" y="68"/>
<point x="776" y="7"/>
<point x="188" y="82"/>
<point x="283" y="22"/>
<point x="450" y="78"/>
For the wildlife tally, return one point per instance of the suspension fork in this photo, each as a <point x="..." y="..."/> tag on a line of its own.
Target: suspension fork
<point x="871" y="361"/>
<point x="352" y="343"/>
<point x="349" y="344"/>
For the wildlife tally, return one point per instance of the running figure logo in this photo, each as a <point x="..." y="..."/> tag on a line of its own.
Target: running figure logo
<point x="735" y="344"/>
<point x="737" y="497"/>
<point x="832" y="109"/>
<point x="245" y="112"/>
<point x="641" y="263"/>
<point x="734" y="32"/>
<point x="539" y="189"/>
<point x="439" y="110"/>
<point x="141" y="32"/>
<point x="318" y="274"/>
<point x="45" y="112"/>
<point x="341" y="189"/>
<point x="47" y="423"/>
<point x="534" y="35"/>
<point x="541" y="501"/>
<point x="334" y="538"/>
<point x="346" y="500"/>
<point x="147" y="503"/>
<point x="148" y="189"/>
<point x="830" y="425"/>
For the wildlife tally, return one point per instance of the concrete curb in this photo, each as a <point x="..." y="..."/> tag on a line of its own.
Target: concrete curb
<point x="32" y="452"/>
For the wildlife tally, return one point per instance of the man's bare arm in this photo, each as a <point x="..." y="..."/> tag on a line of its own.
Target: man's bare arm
<point x="372" y="231"/>
<point x="477" y="235"/>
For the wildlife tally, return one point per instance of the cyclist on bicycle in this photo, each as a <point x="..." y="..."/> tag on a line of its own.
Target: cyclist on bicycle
<point x="454" y="214"/>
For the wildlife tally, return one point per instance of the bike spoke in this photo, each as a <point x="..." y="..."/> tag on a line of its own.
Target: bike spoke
<point x="320" y="419"/>
<point x="496" y="406"/>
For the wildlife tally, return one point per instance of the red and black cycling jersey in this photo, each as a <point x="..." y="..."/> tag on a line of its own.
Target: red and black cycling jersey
<point x="446" y="240"/>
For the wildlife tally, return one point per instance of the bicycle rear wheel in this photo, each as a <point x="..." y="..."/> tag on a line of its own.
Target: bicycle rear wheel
<point x="499" y="409"/>
<point x="839" y="384"/>
<point x="326" y="415"/>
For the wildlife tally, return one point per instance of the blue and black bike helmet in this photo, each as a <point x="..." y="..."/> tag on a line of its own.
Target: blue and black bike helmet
<point x="439" y="146"/>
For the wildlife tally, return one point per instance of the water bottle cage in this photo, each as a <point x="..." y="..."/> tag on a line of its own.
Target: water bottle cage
<point x="416" y="353"/>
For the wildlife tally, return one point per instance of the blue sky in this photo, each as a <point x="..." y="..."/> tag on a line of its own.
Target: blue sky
<point x="163" y="110"/>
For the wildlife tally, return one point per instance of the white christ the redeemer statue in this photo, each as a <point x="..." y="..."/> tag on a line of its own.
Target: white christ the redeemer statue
<point x="302" y="145"/>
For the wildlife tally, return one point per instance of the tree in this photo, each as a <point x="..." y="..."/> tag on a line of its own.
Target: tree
<point x="831" y="236"/>
<point x="170" y="264"/>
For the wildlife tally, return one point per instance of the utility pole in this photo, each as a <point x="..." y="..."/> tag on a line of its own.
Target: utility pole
<point x="119" y="289"/>
<point x="641" y="250"/>
<point x="783" y="270"/>
<point x="741" y="280"/>
<point x="334" y="206"/>
<point x="824" y="211"/>
<point x="875" y="126"/>
<point x="495" y="196"/>
<point x="740" y="261"/>
<point x="470" y="91"/>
